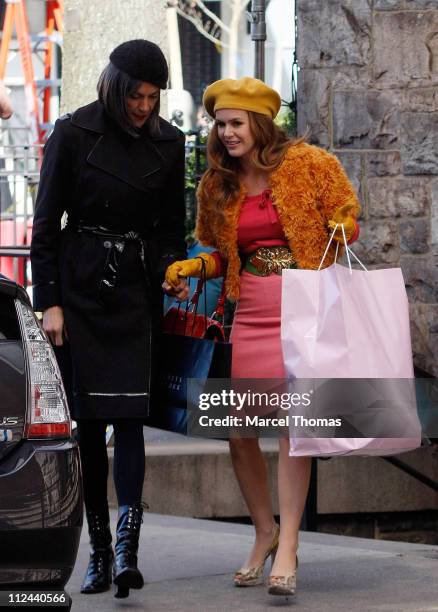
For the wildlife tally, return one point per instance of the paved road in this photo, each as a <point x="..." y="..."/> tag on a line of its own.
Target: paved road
<point x="188" y="566"/>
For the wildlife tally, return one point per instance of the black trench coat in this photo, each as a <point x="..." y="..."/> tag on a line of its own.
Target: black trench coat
<point x="108" y="281"/>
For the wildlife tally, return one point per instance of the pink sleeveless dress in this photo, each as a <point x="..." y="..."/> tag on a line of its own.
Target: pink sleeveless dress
<point x="255" y="333"/>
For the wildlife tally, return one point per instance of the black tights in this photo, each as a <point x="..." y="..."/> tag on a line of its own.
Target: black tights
<point x="129" y="462"/>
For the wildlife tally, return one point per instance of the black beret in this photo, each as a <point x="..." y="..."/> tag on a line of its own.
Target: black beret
<point x="142" y="60"/>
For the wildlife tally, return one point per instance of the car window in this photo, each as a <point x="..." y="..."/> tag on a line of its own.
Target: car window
<point x="9" y="327"/>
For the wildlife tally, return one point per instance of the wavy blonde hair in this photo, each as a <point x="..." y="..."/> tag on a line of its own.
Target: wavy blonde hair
<point x="271" y="144"/>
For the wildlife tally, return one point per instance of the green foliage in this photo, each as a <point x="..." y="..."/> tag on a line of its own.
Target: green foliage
<point x="196" y="164"/>
<point x="286" y="119"/>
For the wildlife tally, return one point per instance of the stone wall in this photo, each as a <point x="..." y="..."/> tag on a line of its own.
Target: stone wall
<point x="368" y="91"/>
<point x="92" y="29"/>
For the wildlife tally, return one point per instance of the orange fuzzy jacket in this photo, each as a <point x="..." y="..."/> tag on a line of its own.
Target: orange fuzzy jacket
<point x="307" y="187"/>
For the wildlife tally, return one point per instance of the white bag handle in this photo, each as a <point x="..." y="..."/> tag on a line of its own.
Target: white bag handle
<point x="348" y="251"/>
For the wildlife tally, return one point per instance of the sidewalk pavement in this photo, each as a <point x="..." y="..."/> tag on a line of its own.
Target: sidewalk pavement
<point x="188" y="566"/>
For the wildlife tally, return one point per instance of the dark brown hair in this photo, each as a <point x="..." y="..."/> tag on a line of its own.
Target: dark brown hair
<point x="113" y="87"/>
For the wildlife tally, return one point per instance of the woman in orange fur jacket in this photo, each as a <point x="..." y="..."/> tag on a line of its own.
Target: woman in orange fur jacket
<point x="265" y="203"/>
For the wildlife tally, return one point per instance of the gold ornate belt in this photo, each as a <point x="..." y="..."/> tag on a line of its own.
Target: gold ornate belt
<point x="269" y="260"/>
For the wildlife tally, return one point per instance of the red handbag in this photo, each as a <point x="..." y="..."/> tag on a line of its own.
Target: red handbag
<point x="187" y="322"/>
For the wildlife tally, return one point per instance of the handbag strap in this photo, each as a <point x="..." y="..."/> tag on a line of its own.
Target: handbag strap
<point x="193" y="301"/>
<point x="176" y="317"/>
<point x="218" y="312"/>
<point x="195" y="297"/>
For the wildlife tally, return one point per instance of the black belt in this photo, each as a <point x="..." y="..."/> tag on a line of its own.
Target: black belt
<point x="115" y="248"/>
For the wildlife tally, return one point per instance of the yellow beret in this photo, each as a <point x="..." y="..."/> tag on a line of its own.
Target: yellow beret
<point x="245" y="94"/>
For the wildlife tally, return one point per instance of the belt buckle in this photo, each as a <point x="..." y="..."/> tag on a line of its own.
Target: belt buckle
<point x="271" y="260"/>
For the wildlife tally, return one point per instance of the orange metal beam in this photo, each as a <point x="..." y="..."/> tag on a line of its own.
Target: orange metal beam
<point x="22" y="27"/>
<point x="54" y="11"/>
<point x="8" y="25"/>
<point x="16" y="14"/>
<point x="58" y="12"/>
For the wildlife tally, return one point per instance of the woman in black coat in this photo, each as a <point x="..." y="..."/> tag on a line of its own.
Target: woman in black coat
<point x="116" y="169"/>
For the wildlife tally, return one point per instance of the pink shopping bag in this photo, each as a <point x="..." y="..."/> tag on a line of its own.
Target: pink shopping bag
<point x="341" y="323"/>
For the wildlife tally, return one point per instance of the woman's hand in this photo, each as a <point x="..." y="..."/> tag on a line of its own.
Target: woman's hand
<point x="53" y="325"/>
<point x="341" y="217"/>
<point x="180" y="292"/>
<point x="191" y="267"/>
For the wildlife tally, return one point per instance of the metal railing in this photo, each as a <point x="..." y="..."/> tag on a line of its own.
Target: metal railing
<point x="19" y="178"/>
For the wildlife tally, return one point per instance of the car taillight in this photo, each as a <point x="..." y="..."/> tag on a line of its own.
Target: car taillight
<point x="48" y="415"/>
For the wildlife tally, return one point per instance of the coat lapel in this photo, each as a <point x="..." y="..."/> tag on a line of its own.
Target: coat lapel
<point x="133" y="164"/>
<point x="131" y="160"/>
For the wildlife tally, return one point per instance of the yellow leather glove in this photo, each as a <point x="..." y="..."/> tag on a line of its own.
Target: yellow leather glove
<point x="341" y="216"/>
<point x="190" y="267"/>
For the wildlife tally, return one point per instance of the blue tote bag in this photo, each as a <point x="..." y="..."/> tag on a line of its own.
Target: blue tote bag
<point x="195" y="349"/>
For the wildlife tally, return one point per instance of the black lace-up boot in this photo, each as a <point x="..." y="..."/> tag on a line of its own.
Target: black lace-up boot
<point x="126" y="573"/>
<point x="99" y="571"/>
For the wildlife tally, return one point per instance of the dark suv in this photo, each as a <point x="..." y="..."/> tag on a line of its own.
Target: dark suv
<point x="40" y="477"/>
